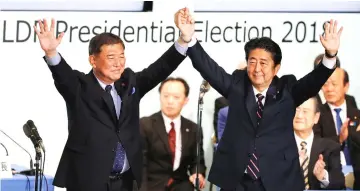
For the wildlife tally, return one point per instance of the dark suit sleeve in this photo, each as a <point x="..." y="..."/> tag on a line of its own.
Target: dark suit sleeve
<point x="66" y="80"/>
<point x="202" y="167"/>
<point x="143" y="132"/>
<point x="310" y="85"/>
<point x="210" y="70"/>
<point x="222" y="122"/>
<point x="157" y="72"/>
<point x="333" y="166"/>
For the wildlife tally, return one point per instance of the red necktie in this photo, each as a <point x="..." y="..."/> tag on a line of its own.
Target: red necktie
<point x="172" y="140"/>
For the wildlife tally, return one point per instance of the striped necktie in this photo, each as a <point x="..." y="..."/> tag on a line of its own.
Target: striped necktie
<point x="305" y="164"/>
<point x="253" y="166"/>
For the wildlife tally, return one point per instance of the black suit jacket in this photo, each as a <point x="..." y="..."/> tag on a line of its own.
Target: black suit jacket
<point x="331" y="153"/>
<point x="350" y="100"/>
<point x="326" y="128"/>
<point x="273" y="138"/>
<point x="158" y="168"/>
<point x="219" y="103"/>
<point x="89" y="152"/>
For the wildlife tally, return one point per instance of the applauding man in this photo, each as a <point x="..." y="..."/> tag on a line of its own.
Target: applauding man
<point x="319" y="157"/>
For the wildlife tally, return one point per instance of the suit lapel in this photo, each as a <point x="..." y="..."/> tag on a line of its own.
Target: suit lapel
<point x="251" y="104"/>
<point x="160" y="128"/>
<point x="328" y="120"/>
<point x="122" y="87"/>
<point x="184" y="137"/>
<point x="270" y="108"/>
<point x="93" y="91"/>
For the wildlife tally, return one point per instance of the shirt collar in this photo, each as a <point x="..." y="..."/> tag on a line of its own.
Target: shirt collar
<point x="263" y="92"/>
<point x="167" y="121"/>
<point x="308" y="140"/>
<point x="342" y="106"/>
<point x="102" y="84"/>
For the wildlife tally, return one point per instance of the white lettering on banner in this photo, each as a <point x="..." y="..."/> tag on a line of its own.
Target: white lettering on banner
<point x="29" y="91"/>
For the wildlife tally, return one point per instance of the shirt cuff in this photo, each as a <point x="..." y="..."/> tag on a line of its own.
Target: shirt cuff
<point x="325" y="182"/>
<point x="182" y="49"/>
<point x="53" y="61"/>
<point x="329" y="63"/>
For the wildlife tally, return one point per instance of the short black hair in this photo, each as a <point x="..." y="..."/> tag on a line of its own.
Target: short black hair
<point x="320" y="57"/>
<point x="267" y="44"/>
<point x="103" y="39"/>
<point x="186" y="85"/>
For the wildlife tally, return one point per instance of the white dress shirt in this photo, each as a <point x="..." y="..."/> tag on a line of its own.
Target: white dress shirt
<point x="177" y="125"/>
<point x="343" y="116"/>
<point x="309" y="141"/>
<point x="343" y="113"/>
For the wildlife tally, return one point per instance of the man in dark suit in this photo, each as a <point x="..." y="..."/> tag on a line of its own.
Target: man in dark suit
<point x="170" y="143"/>
<point x="258" y="150"/>
<point x="319" y="157"/>
<point x="339" y="121"/>
<point x="350" y="100"/>
<point x="103" y="151"/>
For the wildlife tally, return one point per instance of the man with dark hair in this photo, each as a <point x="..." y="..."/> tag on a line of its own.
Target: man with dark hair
<point x="320" y="97"/>
<point x="103" y="151"/>
<point x="257" y="150"/>
<point x="170" y="143"/>
<point x="319" y="157"/>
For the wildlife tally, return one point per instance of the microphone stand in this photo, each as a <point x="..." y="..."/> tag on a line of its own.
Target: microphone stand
<point x="198" y="138"/>
<point x="37" y="165"/>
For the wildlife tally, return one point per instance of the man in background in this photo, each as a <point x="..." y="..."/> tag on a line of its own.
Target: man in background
<point x="319" y="157"/>
<point x="350" y="100"/>
<point x="170" y="144"/>
<point x="339" y="121"/>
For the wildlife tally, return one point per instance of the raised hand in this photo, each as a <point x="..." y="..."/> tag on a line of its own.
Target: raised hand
<point x="331" y="38"/>
<point x="184" y="21"/>
<point x="48" y="41"/>
<point x="319" y="168"/>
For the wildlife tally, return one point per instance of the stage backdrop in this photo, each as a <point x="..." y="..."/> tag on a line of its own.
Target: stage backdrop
<point x="28" y="92"/>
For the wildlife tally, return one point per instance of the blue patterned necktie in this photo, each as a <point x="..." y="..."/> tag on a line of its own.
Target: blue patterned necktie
<point x="338" y="126"/>
<point x="253" y="166"/>
<point x="119" y="160"/>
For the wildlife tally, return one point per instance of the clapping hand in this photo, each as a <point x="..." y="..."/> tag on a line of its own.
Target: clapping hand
<point x="319" y="168"/>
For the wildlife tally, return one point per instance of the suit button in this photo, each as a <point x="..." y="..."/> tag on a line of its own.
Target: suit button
<point x="118" y="131"/>
<point x="257" y="136"/>
<point x="249" y="154"/>
<point x="113" y="150"/>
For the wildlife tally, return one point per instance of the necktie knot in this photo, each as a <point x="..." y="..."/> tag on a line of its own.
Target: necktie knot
<point x="337" y="110"/>
<point x="172" y="124"/>
<point x="260" y="97"/>
<point x="303" y="145"/>
<point x="108" y="88"/>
